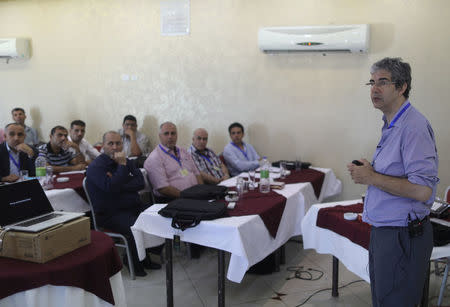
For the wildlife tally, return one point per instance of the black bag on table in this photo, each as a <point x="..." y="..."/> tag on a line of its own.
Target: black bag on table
<point x="441" y="234"/>
<point x="186" y="213"/>
<point x="204" y="191"/>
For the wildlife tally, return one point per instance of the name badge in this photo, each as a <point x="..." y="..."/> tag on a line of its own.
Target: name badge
<point x="217" y="168"/>
<point x="184" y="172"/>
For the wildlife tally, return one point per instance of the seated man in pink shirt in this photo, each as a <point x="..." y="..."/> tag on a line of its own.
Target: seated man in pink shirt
<point x="170" y="168"/>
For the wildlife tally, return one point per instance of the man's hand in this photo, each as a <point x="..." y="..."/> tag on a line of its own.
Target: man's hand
<point x="120" y="158"/>
<point x="10" y="178"/>
<point x="68" y="144"/>
<point x="26" y="149"/>
<point x="361" y="174"/>
<point x="130" y="133"/>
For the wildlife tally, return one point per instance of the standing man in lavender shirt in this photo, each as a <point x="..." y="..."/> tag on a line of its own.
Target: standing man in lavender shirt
<point x="170" y="168"/>
<point x="401" y="180"/>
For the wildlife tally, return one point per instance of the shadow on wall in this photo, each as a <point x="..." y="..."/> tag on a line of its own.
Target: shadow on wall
<point x="36" y="116"/>
<point x="151" y="129"/>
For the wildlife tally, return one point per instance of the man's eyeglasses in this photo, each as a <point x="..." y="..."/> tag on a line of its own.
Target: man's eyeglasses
<point x="380" y="83"/>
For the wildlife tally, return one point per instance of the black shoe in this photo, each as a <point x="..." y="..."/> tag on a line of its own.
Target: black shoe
<point x="140" y="273"/>
<point x="149" y="265"/>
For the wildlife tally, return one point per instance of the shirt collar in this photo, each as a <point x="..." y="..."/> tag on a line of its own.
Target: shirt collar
<point x="168" y="149"/>
<point x="205" y="152"/>
<point x="400" y="120"/>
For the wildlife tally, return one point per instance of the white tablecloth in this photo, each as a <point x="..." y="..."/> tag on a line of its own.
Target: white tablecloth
<point x="353" y="256"/>
<point x="245" y="237"/>
<point x="57" y="296"/>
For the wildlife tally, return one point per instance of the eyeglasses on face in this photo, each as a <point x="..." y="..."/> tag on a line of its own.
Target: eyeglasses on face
<point x="379" y="83"/>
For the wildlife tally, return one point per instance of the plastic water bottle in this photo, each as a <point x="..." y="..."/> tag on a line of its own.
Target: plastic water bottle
<point x="264" y="182"/>
<point x="40" y="165"/>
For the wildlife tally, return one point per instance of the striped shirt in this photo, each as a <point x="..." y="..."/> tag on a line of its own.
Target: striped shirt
<point x="207" y="162"/>
<point x="62" y="158"/>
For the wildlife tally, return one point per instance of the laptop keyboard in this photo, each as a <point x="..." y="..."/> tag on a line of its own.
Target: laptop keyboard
<point x="38" y="220"/>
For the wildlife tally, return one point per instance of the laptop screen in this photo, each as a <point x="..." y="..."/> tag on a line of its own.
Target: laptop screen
<point x="21" y="201"/>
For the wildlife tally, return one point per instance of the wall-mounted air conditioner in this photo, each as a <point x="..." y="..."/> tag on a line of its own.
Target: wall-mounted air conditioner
<point x="343" y="38"/>
<point x="14" y="48"/>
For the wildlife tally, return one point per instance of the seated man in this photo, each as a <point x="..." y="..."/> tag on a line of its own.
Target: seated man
<point x="240" y="156"/>
<point x="15" y="155"/>
<point x="113" y="183"/>
<point x="76" y="135"/>
<point x="135" y="143"/>
<point x="208" y="163"/>
<point x="61" y="154"/>
<point x="32" y="138"/>
<point x="170" y="169"/>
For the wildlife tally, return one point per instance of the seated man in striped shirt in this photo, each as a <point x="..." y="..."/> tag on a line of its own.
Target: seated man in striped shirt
<point x="61" y="154"/>
<point x="208" y="163"/>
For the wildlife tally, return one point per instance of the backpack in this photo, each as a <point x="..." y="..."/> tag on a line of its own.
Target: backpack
<point x="186" y="213"/>
<point x="204" y="191"/>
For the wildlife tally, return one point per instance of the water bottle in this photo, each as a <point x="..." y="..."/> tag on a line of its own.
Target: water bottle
<point x="40" y="165"/>
<point x="264" y="182"/>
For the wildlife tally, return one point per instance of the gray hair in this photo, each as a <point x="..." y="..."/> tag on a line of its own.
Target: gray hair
<point x="15" y="124"/>
<point x="166" y="123"/>
<point x="109" y="132"/>
<point x="400" y="72"/>
<point x="199" y="129"/>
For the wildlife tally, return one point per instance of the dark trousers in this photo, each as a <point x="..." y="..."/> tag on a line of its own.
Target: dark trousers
<point x="121" y="222"/>
<point x="398" y="265"/>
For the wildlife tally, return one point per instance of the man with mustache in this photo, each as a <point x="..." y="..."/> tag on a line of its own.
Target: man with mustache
<point x="113" y="183"/>
<point x="61" y="154"/>
<point x="401" y="180"/>
<point x="15" y="155"/>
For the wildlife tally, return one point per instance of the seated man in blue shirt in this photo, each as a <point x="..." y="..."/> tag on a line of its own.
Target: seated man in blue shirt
<point x="15" y="155"/>
<point x="113" y="183"/>
<point x="240" y="156"/>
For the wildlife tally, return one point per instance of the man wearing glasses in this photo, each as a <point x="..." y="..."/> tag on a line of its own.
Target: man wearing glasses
<point x="401" y="180"/>
<point x="208" y="163"/>
<point x="135" y="143"/>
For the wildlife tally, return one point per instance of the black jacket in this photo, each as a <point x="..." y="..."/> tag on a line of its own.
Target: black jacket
<point x="25" y="162"/>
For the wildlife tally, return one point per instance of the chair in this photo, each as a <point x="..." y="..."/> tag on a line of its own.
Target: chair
<point x="122" y="240"/>
<point x="446" y="260"/>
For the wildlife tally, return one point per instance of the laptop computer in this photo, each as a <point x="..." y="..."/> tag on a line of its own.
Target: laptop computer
<point x="25" y="207"/>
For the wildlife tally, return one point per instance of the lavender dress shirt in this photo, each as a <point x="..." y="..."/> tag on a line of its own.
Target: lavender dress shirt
<point x="406" y="150"/>
<point x="164" y="171"/>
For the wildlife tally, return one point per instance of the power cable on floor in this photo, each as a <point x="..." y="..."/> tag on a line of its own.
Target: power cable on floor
<point x="304" y="274"/>
<point x="321" y="290"/>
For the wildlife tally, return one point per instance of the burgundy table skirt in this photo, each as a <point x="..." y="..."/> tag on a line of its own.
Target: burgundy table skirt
<point x="269" y="206"/>
<point x="332" y="218"/>
<point x="306" y="175"/>
<point x="88" y="267"/>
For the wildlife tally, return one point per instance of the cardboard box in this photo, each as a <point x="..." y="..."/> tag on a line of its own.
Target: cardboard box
<point x="48" y="244"/>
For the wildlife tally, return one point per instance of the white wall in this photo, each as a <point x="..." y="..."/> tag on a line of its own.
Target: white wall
<point x="293" y="105"/>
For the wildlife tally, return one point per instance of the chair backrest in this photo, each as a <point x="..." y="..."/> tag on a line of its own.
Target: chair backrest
<point x="447" y="194"/>
<point x="222" y="158"/>
<point x="90" y="203"/>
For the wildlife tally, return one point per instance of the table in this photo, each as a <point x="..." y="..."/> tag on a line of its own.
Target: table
<point x="353" y="256"/>
<point x="245" y="237"/>
<point x="69" y="280"/>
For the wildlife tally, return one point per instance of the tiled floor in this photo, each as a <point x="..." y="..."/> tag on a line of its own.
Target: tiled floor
<point x="195" y="284"/>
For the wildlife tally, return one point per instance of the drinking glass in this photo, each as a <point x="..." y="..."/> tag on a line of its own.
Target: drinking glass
<point x="298" y="165"/>
<point x="49" y="177"/>
<point x="282" y="169"/>
<point x="252" y="178"/>
<point x="23" y="174"/>
<point x="240" y="186"/>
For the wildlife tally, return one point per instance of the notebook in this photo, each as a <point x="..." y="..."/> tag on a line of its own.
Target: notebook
<point x="25" y="207"/>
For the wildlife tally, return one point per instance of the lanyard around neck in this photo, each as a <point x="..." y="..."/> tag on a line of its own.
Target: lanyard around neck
<point x="16" y="163"/>
<point x="405" y="107"/>
<point x="171" y="155"/>
<point x="243" y="151"/>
